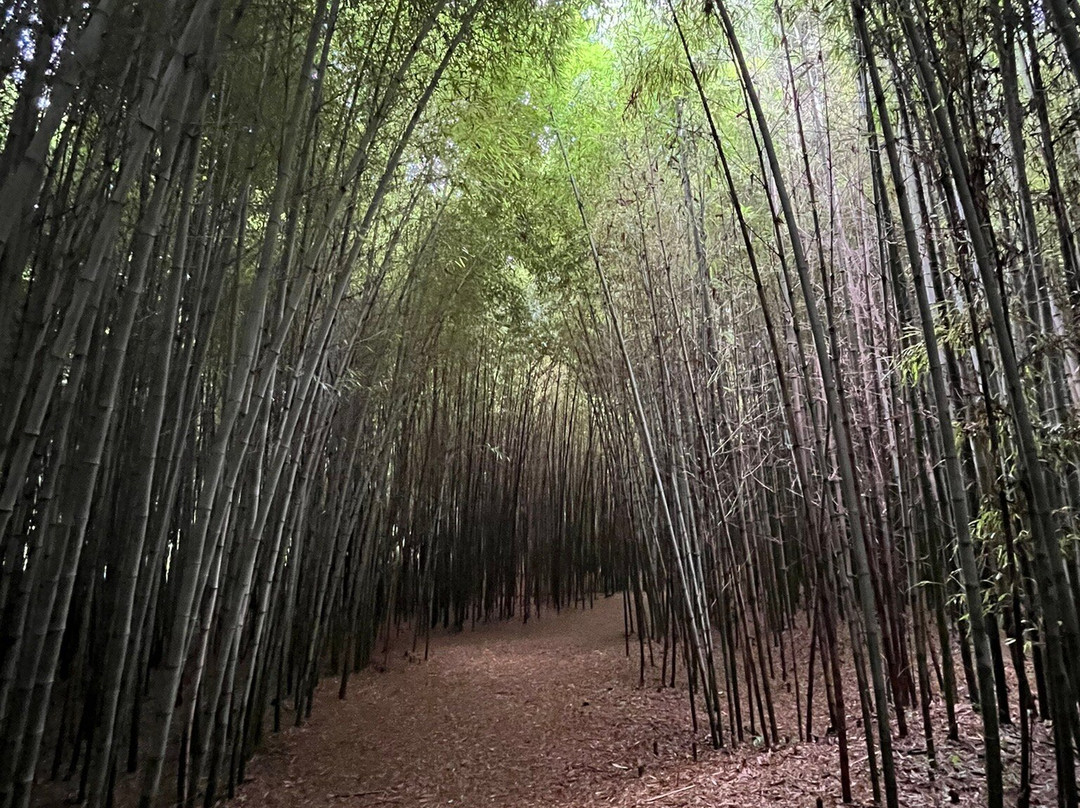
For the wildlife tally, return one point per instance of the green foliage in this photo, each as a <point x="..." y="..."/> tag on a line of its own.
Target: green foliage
<point x="913" y="361"/>
<point x="509" y="240"/>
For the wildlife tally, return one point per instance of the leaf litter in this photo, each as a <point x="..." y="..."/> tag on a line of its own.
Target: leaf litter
<point x="549" y="713"/>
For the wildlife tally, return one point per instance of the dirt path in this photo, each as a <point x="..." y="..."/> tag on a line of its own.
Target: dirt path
<point x="542" y="714"/>
<point x="549" y="714"/>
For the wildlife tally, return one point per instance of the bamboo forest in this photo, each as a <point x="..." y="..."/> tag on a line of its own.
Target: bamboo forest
<point x="526" y="403"/>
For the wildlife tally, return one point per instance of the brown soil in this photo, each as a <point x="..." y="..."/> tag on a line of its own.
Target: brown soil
<point x="550" y="714"/>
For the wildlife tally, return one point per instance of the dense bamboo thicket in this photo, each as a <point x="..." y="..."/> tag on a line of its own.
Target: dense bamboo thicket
<point x="322" y="320"/>
<point x="229" y="454"/>
<point x="843" y="298"/>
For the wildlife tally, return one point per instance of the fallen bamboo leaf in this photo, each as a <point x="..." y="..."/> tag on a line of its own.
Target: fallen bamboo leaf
<point x="670" y="793"/>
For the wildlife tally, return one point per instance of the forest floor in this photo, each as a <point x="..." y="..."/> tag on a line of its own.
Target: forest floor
<point x="550" y="714"/>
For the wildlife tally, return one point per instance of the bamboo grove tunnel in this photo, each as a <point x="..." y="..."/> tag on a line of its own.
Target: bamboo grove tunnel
<point x="455" y="358"/>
